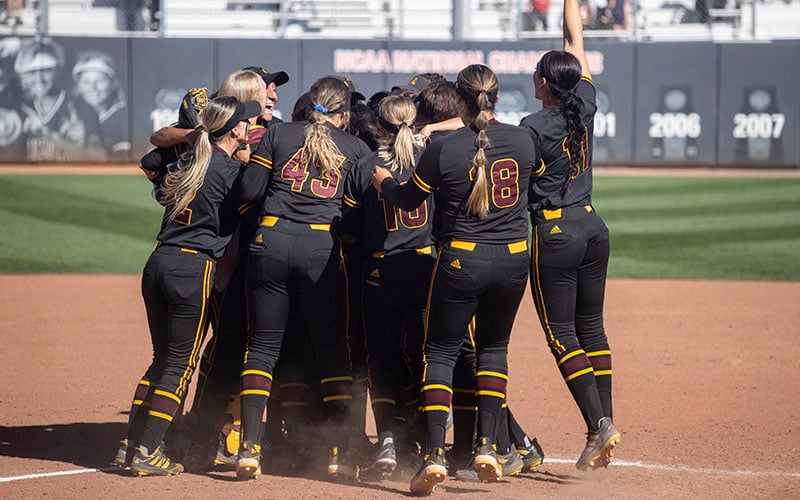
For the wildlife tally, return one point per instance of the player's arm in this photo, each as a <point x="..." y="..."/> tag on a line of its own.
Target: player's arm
<point x="255" y="177"/>
<point x="407" y="196"/>
<point x="573" y="34"/>
<point x="423" y="182"/>
<point x="166" y="137"/>
<point x="450" y="124"/>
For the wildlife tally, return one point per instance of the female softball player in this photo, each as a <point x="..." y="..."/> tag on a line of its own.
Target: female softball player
<point x="298" y="171"/>
<point x="480" y="176"/>
<point x="220" y="364"/>
<point x="396" y="277"/>
<point x="176" y="282"/>
<point x="571" y="244"/>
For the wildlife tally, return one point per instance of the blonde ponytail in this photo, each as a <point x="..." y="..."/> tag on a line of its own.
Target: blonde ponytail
<point x="397" y="115"/>
<point x="185" y="177"/>
<point x="328" y="95"/>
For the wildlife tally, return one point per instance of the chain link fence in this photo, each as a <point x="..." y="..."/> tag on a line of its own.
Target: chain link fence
<point x="498" y="20"/>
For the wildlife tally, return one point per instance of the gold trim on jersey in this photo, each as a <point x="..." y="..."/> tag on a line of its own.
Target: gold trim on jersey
<point x="350" y="202"/>
<point x="539" y="171"/>
<point x="260" y="160"/>
<point x="421" y="184"/>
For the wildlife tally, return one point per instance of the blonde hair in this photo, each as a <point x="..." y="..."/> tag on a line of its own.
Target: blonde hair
<point x="242" y="84"/>
<point x="328" y="95"/>
<point x="397" y="115"/>
<point x="477" y="85"/>
<point x="184" y="178"/>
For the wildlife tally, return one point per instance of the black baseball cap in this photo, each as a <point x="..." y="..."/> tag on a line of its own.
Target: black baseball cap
<point x="278" y="78"/>
<point x="417" y="84"/>
<point x="244" y="111"/>
<point x="355" y="96"/>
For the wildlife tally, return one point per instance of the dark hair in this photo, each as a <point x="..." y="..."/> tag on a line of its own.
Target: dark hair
<point x="375" y="99"/>
<point x="477" y="86"/>
<point x="562" y="72"/>
<point x="364" y="125"/>
<point x="302" y="108"/>
<point x="437" y="103"/>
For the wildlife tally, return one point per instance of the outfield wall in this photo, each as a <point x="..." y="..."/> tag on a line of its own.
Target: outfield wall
<point x="681" y="103"/>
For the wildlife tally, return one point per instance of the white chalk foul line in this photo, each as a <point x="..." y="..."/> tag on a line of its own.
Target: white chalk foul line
<point x="683" y="469"/>
<point x="615" y="463"/>
<point x="53" y="474"/>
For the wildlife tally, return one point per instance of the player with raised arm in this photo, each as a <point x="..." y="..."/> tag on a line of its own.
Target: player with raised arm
<point x="570" y="240"/>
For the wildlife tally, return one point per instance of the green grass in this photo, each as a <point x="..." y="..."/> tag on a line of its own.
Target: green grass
<point x="76" y="223"/>
<point x="704" y="228"/>
<point x="661" y="227"/>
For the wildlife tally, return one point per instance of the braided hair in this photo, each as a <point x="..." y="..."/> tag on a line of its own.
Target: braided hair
<point x="477" y="86"/>
<point x="562" y="72"/>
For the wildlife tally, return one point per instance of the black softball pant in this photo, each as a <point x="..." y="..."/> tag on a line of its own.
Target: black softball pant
<point x="568" y="280"/>
<point x="471" y="279"/>
<point x="176" y="284"/>
<point x="395" y="289"/>
<point x="221" y="363"/>
<point x="295" y="265"/>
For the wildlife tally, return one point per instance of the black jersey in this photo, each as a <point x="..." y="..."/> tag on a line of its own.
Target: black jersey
<point x="550" y="130"/>
<point x="445" y="169"/>
<point x="207" y="224"/>
<point x="386" y="228"/>
<point x="291" y="188"/>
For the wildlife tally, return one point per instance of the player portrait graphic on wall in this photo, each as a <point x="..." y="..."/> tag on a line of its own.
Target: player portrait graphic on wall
<point x="56" y="105"/>
<point x="96" y="83"/>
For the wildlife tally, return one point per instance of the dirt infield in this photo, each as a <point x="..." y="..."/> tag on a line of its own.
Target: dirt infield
<point x="706" y="393"/>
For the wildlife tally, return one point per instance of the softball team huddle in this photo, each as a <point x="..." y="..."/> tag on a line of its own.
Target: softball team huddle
<point x="321" y="262"/>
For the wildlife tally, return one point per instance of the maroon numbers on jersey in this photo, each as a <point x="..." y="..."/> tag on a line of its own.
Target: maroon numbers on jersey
<point x="296" y="171"/>
<point x="410" y="220"/>
<point x="184" y="217"/>
<point x="504" y="179"/>
<point x="504" y="175"/>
